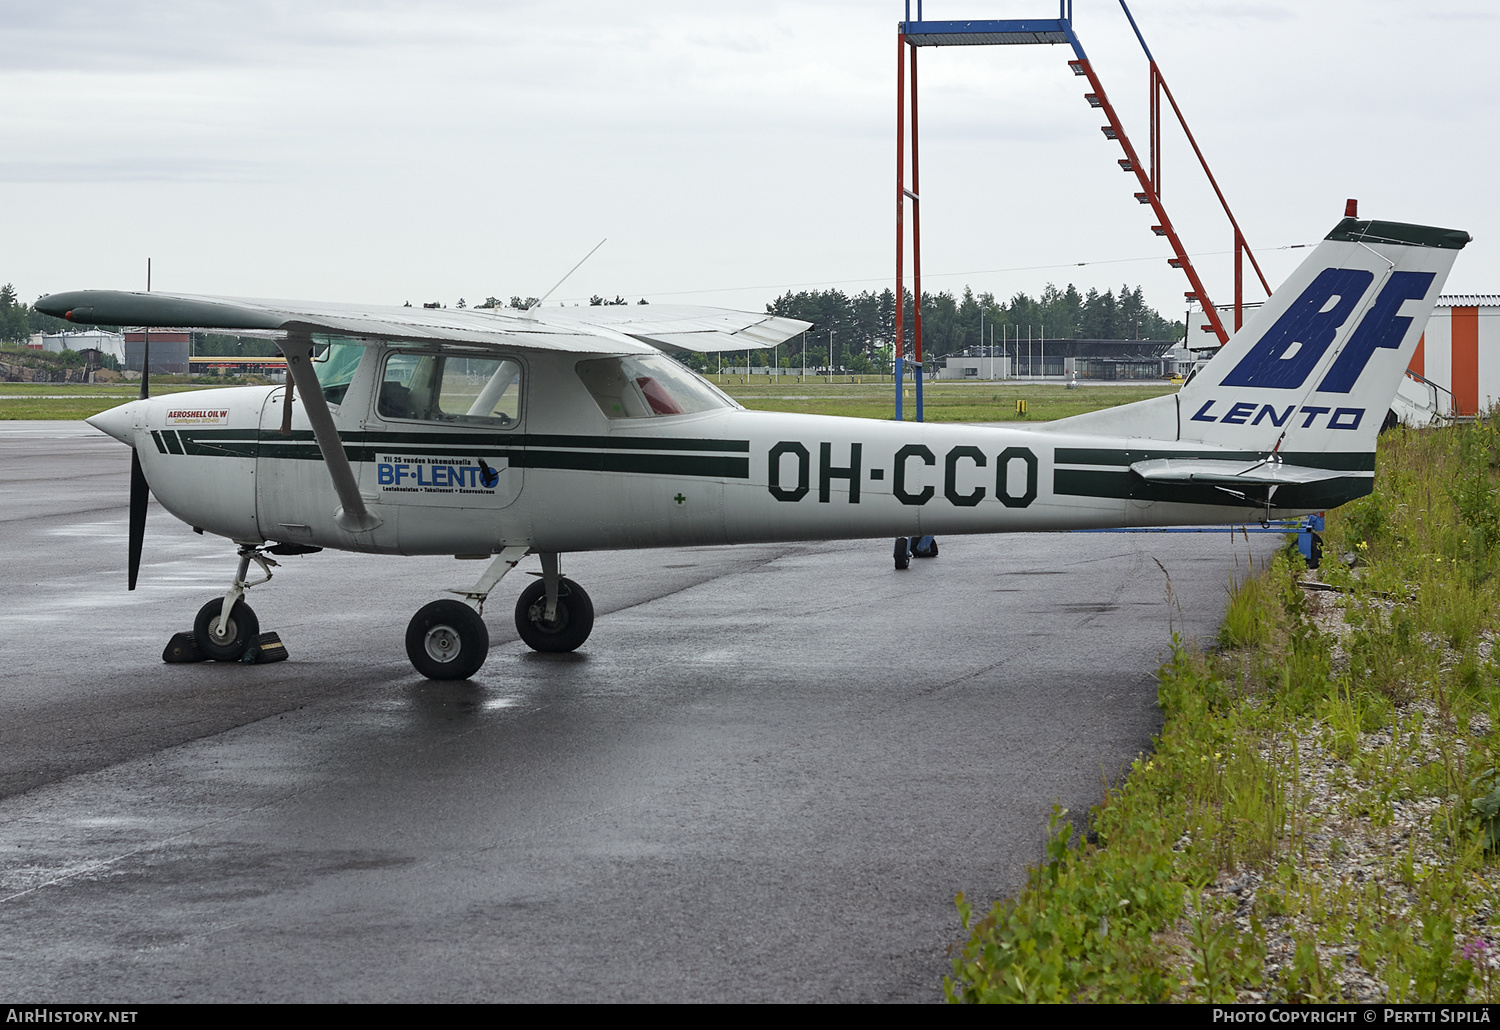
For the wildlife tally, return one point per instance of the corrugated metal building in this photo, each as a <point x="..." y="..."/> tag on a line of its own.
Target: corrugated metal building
<point x="1459" y="355"/>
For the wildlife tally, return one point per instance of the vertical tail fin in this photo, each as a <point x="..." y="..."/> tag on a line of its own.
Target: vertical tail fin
<point x="1315" y="369"/>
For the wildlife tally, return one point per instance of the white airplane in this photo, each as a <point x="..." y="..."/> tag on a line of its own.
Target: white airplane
<point x="504" y="433"/>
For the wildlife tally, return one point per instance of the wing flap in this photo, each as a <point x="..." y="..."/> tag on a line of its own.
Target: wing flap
<point x="683" y="328"/>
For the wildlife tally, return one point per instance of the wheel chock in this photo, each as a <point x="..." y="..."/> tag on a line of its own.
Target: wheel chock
<point x="183" y="647"/>
<point x="267" y="648"/>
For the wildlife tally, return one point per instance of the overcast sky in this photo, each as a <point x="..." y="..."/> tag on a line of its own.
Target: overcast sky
<point x="384" y="152"/>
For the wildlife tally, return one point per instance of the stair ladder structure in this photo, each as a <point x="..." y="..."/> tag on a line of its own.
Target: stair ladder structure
<point x="914" y="34"/>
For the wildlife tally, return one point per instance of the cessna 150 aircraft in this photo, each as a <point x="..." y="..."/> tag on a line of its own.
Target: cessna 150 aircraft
<point x="504" y="433"/>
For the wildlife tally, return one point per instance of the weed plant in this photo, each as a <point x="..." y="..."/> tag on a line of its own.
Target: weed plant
<point x="1319" y="818"/>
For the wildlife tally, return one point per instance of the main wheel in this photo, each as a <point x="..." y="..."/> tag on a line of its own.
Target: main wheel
<point x="573" y="623"/>
<point x="447" y="640"/>
<point x="239" y="632"/>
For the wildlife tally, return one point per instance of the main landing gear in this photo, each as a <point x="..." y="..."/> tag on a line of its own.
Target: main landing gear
<point x="448" y="640"/>
<point x="914" y="547"/>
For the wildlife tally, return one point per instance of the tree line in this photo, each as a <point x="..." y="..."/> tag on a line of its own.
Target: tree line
<point x="18" y="321"/>
<point x="861" y="327"/>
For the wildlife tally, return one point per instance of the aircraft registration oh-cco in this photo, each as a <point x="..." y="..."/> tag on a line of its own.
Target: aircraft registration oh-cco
<point x="501" y="434"/>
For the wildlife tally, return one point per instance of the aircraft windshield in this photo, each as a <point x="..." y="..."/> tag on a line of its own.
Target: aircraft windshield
<point x="647" y="387"/>
<point x="335" y="364"/>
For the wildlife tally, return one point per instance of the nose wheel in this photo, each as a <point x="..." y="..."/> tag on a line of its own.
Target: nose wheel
<point x="447" y="640"/>
<point x="225" y="640"/>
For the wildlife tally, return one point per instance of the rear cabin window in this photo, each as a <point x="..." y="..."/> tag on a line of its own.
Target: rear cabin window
<point x="451" y="388"/>
<point x="647" y="387"/>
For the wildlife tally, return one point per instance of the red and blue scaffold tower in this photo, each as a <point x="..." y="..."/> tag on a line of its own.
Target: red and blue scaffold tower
<point x="911" y="34"/>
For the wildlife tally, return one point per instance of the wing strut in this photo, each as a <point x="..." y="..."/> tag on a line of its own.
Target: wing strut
<point x="352" y="515"/>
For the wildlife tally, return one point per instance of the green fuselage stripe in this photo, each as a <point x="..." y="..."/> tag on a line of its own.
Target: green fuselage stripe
<point x="539" y="451"/>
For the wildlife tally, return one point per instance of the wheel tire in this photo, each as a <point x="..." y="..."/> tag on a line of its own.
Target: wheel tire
<point x="574" y="622"/>
<point x="238" y="635"/>
<point x="447" y="640"/>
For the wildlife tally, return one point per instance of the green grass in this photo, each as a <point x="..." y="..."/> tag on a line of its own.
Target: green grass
<point x="941" y="401"/>
<point x="1324" y="728"/>
<point x="72" y="401"/>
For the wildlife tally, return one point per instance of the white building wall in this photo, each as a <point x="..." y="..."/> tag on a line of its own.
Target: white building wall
<point x="1437" y="355"/>
<point x="983" y="368"/>
<point x="112" y="344"/>
<point x="1489" y="357"/>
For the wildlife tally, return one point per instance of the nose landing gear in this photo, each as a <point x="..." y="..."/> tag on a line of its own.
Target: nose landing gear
<point x="221" y="639"/>
<point x="226" y="629"/>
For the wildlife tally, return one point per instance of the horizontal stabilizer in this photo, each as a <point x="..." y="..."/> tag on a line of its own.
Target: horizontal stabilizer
<point x="1267" y="471"/>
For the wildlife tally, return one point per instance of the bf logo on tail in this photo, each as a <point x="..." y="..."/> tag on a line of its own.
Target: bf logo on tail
<point x="1286" y="355"/>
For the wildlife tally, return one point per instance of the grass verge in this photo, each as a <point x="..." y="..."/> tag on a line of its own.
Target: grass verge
<point x="73" y="401"/>
<point x="941" y="401"/>
<point x="1317" y="821"/>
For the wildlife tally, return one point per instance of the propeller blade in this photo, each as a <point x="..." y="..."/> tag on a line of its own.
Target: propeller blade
<point x="146" y="359"/>
<point x="140" y="493"/>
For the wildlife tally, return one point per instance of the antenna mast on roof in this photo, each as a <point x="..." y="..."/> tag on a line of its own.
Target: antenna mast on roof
<point x="570" y="272"/>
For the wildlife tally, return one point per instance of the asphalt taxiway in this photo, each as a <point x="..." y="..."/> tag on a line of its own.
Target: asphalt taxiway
<point x="763" y="778"/>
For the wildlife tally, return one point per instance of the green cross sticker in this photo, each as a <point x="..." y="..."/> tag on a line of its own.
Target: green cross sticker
<point x="679" y="498"/>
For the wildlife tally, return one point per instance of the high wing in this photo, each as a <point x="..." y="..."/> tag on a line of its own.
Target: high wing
<point x="671" y="328"/>
<point x="579" y="330"/>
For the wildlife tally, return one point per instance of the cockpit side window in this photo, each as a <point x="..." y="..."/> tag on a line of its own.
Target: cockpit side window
<point x="647" y="387"/>
<point x="455" y="388"/>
